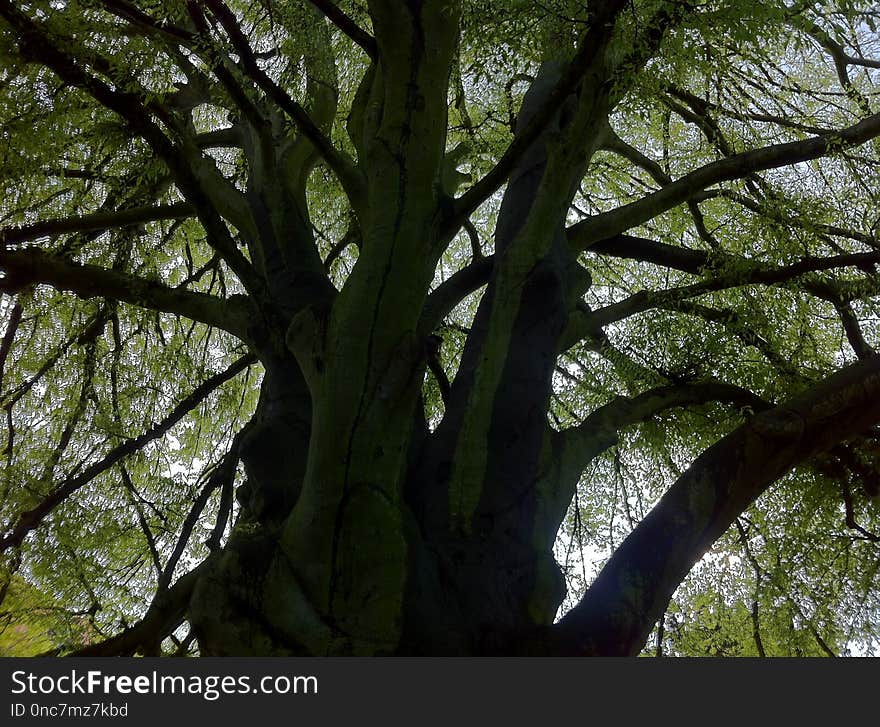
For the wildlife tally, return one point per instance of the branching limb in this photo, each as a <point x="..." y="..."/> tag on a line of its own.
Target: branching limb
<point x="142" y="519"/>
<point x="617" y="145"/>
<point x="850" y="514"/>
<point x="165" y="614"/>
<point x="571" y="450"/>
<point x="651" y="251"/>
<point x="352" y="236"/>
<point x="604" y="423"/>
<point x="730" y="272"/>
<point x="134" y="15"/>
<point x="605" y="225"/>
<point x="589" y="52"/>
<point x="853" y="330"/>
<point x="337" y="160"/>
<point x="32" y="266"/>
<point x="453" y="290"/>
<point x="841" y="59"/>
<point x="809" y="225"/>
<point x="618" y="611"/>
<point x="755" y="615"/>
<point x="36" y="46"/>
<point x="734" y="324"/>
<point x="89" y="333"/>
<point x="12" y="324"/>
<point x="223" y="473"/>
<point x="95" y="222"/>
<point x="31" y="519"/>
<point x="342" y="21"/>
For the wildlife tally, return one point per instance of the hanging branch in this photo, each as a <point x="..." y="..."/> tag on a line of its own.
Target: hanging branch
<point x="342" y="21"/>
<point x="31" y="519"/>
<point x="166" y="613"/>
<point x="32" y="266"/>
<point x="99" y="221"/>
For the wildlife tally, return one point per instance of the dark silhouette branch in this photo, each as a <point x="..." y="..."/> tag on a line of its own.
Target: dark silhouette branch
<point x="624" y="411"/>
<point x="12" y="323"/>
<point x="616" y="614"/>
<point x="721" y="271"/>
<point x="93" y="329"/>
<point x="142" y="519"/>
<point x="808" y="225"/>
<point x="738" y="326"/>
<point x="166" y="613"/>
<point x="599" y="430"/>
<point x="32" y="266"/>
<point x="217" y="64"/>
<point x="36" y="46"/>
<point x="853" y="330"/>
<point x="651" y="251"/>
<point x="96" y="222"/>
<point x="335" y="15"/>
<point x="755" y="615"/>
<point x="139" y="19"/>
<point x="336" y="160"/>
<point x="589" y="52"/>
<point x="31" y="519"/>
<point x="453" y="290"/>
<point x="616" y="221"/>
<point x="222" y="474"/>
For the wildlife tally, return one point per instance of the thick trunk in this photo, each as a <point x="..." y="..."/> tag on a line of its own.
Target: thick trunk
<point x="401" y="541"/>
<point x="456" y="594"/>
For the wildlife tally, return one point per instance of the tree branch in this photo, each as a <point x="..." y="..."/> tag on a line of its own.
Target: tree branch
<point x="808" y="225"/>
<point x="619" y="609"/>
<point x="651" y="251"/>
<point x="336" y="160"/>
<point x="36" y="46"/>
<point x="599" y="227"/>
<point x="853" y="330"/>
<point x="12" y="323"/>
<point x="126" y="11"/>
<point x="618" y="146"/>
<point x="31" y="519"/>
<point x="95" y="222"/>
<point x="571" y="450"/>
<point x="730" y="272"/>
<point x="599" y="430"/>
<point x="33" y="266"/>
<point x="165" y="614"/>
<point x="590" y="50"/>
<point x="342" y="21"/>
<point x="623" y="411"/>
<point x="453" y="290"/>
<point x="223" y="473"/>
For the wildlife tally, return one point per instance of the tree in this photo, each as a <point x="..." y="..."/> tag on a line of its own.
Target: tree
<point x="361" y="327"/>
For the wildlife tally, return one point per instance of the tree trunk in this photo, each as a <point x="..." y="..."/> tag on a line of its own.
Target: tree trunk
<point x="361" y="532"/>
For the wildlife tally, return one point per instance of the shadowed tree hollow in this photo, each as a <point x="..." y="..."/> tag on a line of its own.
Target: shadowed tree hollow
<point x="439" y="327"/>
